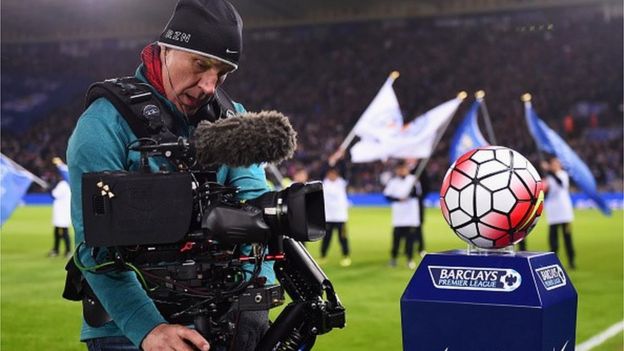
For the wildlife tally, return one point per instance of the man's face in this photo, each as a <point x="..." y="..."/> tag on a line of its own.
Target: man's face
<point x="190" y="79"/>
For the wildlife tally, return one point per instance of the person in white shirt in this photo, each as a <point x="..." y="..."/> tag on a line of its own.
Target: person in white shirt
<point x="336" y="214"/>
<point x="558" y="207"/>
<point x="401" y="190"/>
<point x="61" y="217"/>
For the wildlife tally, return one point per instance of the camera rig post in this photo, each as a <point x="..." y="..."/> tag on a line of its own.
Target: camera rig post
<point x="309" y="315"/>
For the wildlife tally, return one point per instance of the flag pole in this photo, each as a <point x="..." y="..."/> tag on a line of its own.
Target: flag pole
<point x="349" y="138"/>
<point x="57" y="161"/>
<point x="421" y="165"/>
<point x="276" y="173"/>
<point x="479" y="95"/>
<point x="526" y="98"/>
<point x="42" y="183"/>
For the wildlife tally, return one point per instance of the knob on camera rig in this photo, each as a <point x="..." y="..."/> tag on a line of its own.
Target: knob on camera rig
<point x="198" y="250"/>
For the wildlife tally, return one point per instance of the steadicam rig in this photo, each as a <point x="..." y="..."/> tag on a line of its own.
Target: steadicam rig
<point x="199" y="251"/>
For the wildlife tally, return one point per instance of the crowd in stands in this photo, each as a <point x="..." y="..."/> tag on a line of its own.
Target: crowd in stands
<point x="324" y="76"/>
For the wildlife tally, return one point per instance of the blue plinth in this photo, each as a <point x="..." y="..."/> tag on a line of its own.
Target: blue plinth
<point x="499" y="302"/>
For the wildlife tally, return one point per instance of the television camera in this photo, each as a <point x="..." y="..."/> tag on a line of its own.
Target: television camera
<point x="198" y="251"/>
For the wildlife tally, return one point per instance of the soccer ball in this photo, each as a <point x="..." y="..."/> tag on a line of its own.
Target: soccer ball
<point x="492" y="197"/>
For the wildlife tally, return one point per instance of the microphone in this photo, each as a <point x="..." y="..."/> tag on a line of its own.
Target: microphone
<point x="246" y="139"/>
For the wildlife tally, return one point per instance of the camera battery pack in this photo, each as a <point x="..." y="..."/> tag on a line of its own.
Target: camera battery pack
<point x="129" y="208"/>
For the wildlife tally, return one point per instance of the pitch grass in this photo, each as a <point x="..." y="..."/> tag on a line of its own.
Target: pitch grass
<point x="34" y="317"/>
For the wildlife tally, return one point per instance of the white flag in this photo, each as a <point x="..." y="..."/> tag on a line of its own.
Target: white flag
<point x="416" y="140"/>
<point x="382" y="118"/>
<point x="368" y="151"/>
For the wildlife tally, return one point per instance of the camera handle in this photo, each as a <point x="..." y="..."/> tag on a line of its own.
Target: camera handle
<point x="176" y="151"/>
<point x="309" y="314"/>
<point x="202" y="325"/>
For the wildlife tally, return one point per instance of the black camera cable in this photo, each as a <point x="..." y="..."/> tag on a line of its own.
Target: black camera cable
<point x="233" y="292"/>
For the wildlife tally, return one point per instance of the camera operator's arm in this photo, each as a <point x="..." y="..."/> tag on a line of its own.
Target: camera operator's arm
<point x="252" y="183"/>
<point x="99" y="143"/>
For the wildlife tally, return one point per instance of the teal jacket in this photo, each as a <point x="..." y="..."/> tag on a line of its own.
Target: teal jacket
<point x="99" y="143"/>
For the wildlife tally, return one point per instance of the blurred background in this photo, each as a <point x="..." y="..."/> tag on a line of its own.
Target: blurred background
<point x="321" y="63"/>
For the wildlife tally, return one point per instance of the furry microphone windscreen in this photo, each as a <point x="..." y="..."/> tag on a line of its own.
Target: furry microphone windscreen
<point x="245" y="139"/>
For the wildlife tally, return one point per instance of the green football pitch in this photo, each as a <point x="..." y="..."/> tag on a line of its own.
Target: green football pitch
<point x="34" y="317"/>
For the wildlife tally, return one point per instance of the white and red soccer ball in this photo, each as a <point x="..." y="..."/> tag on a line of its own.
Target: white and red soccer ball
<point x="492" y="197"/>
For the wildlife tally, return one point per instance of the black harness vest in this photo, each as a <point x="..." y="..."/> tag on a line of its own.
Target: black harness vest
<point x="145" y="113"/>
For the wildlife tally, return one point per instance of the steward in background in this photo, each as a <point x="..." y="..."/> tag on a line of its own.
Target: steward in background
<point x="558" y="207"/>
<point x="402" y="191"/>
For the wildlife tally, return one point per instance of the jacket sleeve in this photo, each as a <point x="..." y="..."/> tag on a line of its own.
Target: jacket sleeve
<point x="251" y="182"/>
<point x="99" y="143"/>
<point x="392" y="199"/>
<point x="389" y="193"/>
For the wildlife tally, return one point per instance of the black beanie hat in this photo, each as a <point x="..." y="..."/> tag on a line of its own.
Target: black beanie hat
<point x="210" y="28"/>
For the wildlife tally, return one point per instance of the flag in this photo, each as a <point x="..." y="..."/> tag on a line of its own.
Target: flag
<point x="64" y="171"/>
<point x="368" y="151"/>
<point x="62" y="168"/>
<point x="468" y="135"/>
<point x="382" y="117"/>
<point x="419" y="138"/>
<point x="14" y="181"/>
<point x="416" y="140"/>
<point x="549" y="141"/>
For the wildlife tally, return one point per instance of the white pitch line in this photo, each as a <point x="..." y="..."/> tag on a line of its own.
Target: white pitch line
<point x="602" y="337"/>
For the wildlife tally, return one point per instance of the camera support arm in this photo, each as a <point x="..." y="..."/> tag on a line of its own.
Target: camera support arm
<point x="309" y="314"/>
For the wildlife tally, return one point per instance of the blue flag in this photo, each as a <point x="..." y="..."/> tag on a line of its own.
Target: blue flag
<point x="13" y="185"/>
<point x="550" y="142"/>
<point x="468" y="135"/>
<point x="63" y="171"/>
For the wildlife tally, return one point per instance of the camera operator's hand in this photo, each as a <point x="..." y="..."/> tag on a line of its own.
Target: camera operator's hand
<point x="167" y="337"/>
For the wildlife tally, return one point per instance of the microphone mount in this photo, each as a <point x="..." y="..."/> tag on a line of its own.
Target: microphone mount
<point x="180" y="152"/>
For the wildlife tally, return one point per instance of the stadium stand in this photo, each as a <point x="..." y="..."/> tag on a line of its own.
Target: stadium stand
<point x="324" y="76"/>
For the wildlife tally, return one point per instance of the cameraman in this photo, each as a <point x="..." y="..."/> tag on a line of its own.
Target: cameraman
<point x="200" y="45"/>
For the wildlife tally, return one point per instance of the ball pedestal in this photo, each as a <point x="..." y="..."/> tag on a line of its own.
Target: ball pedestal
<point x="501" y="302"/>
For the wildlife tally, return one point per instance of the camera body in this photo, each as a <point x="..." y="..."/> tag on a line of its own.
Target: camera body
<point x="133" y="208"/>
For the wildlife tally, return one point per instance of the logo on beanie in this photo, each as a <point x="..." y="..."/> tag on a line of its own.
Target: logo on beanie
<point x="176" y="35"/>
